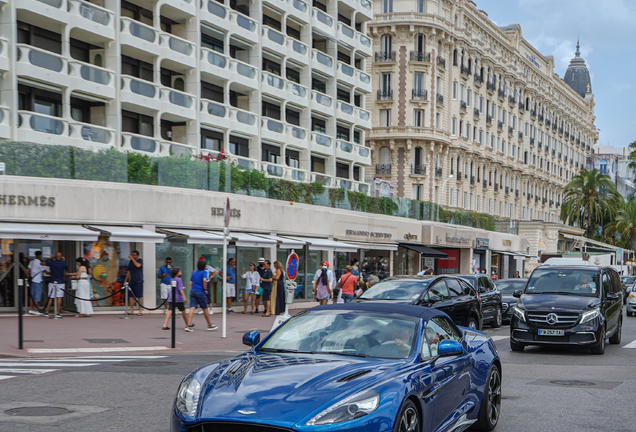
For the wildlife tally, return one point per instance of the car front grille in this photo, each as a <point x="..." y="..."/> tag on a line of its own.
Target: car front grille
<point x="233" y="427"/>
<point x="563" y="319"/>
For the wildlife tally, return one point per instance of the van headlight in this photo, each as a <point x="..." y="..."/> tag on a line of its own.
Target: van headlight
<point x="590" y="315"/>
<point x="519" y="313"/>
<point x="188" y="396"/>
<point x="348" y="409"/>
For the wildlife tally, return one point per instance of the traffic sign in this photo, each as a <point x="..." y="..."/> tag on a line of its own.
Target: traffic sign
<point x="292" y="266"/>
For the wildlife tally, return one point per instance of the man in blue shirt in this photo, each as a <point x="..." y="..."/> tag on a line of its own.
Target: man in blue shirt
<point x="230" y="276"/>
<point x="164" y="275"/>
<point x="136" y="278"/>
<point x="57" y="266"/>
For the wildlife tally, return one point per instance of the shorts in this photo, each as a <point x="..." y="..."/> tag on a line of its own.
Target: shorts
<point x="230" y="290"/>
<point x="165" y="290"/>
<point x="250" y="290"/>
<point x="178" y="305"/>
<point x="36" y="291"/>
<point x="56" y="290"/>
<point x="137" y="288"/>
<point x="198" y="299"/>
<point x="267" y="294"/>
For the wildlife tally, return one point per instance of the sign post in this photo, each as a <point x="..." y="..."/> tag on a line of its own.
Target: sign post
<point x="290" y="286"/>
<point x="226" y="233"/>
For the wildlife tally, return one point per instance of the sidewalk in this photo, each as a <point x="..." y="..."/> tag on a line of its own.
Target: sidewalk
<point x="108" y="333"/>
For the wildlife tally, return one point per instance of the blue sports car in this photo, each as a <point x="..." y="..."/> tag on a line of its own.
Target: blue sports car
<point x="372" y="367"/>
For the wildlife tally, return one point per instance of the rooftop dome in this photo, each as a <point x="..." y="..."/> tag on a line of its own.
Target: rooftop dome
<point x="577" y="76"/>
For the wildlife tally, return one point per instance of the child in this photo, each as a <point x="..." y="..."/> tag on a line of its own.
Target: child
<point x="179" y="297"/>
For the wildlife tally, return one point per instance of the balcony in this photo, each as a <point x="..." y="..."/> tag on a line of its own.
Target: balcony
<point x="177" y="52"/>
<point x="551" y="203"/>
<point x="500" y="126"/>
<point x="322" y="63"/>
<point x="273" y="85"/>
<point x="297" y="137"/>
<point x="273" y="130"/>
<point x="297" y="94"/>
<point x="243" y="75"/>
<point x="420" y="56"/>
<point x="385" y="95"/>
<point x="531" y="142"/>
<point x="441" y="62"/>
<point x="214" y="65"/>
<point x="295" y="174"/>
<point x="366" y="8"/>
<point x="459" y="177"/>
<point x="4" y="54"/>
<point x="91" y="18"/>
<point x="438" y="173"/>
<point x="512" y="101"/>
<point x="384" y="56"/>
<point x="179" y="105"/>
<point x="419" y="94"/>
<point x="5" y="124"/>
<point x="418" y="169"/>
<point x="540" y="118"/>
<point x="92" y="80"/>
<point x="496" y="188"/>
<point x="490" y="87"/>
<point x="559" y="157"/>
<point x="321" y="178"/>
<point x="561" y="131"/>
<point x="476" y="113"/>
<point x="215" y="14"/>
<point x="364" y="44"/>
<point x="322" y="103"/>
<point x="140" y="37"/>
<point x="484" y="184"/>
<point x="462" y="107"/>
<point x="346" y="74"/>
<point x="321" y="144"/>
<point x="363" y="155"/>
<point x="520" y="136"/>
<point x="533" y="114"/>
<point x="502" y="94"/>
<point x="506" y="190"/>
<point x="529" y="198"/>
<point x="41" y="65"/>
<point x="522" y="107"/>
<point x="297" y="52"/>
<point x="96" y="137"/>
<point x="273" y="40"/>
<point x="511" y="131"/>
<point x="273" y="170"/>
<point x="478" y="80"/>
<point x="45" y="9"/>
<point x="346" y="112"/>
<point x="548" y="123"/>
<point x="144" y="95"/>
<point x="472" y="180"/>
<point x="244" y="27"/>
<point x="465" y="71"/>
<point x="439" y="100"/>
<point x="140" y="143"/>
<point x="346" y="35"/>
<point x="364" y="119"/>
<point x="488" y="120"/>
<point x="517" y="193"/>
<point x="299" y="9"/>
<point x="553" y="152"/>
<point x="323" y="23"/>
<point x="344" y="150"/>
<point x="33" y="127"/>
<point x="383" y="169"/>
<point x="364" y="82"/>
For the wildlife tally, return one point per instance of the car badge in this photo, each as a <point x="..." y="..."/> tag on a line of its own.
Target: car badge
<point x="552" y="319"/>
<point x="244" y="412"/>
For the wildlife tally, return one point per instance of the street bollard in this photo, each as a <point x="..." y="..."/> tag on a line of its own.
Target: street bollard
<point x="126" y="302"/>
<point x="174" y="316"/>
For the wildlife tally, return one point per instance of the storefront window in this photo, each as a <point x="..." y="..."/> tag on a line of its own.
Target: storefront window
<point x="376" y="263"/>
<point x="108" y="262"/>
<point x="245" y="256"/>
<point x="7" y="294"/>
<point x="214" y="256"/>
<point x="405" y="261"/>
<point x="182" y="255"/>
<point x="496" y="264"/>
<point x="450" y="264"/>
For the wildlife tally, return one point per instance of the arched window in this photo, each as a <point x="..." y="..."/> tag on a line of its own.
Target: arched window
<point x="418" y="156"/>
<point x="420" y="43"/>
<point x="385" y="156"/>
<point x="470" y="64"/>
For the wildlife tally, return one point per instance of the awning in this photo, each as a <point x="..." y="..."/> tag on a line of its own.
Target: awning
<point x="129" y="234"/>
<point x="425" y="251"/>
<point x="24" y="231"/>
<point x="593" y="242"/>
<point x="195" y="236"/>
<point x="326" y="244"/>
<point x="249" y="240"/>
<point x="283" y="243"/>
<point x="375" y="246"/>
<point x="510" y="253"/>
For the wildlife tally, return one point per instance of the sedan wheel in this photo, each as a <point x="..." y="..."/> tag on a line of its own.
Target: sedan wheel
<point x="496" y="323"/>
<point x="490" y="402"/>
<point x="472" y="323"/>
<point x="409" y="419"/>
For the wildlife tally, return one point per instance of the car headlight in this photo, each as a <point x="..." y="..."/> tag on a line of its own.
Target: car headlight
<point x="188" y="396"/>
<point x="590" y="315"/>
<point x="632" y="298"/>
<point x="348" y="409"/>
<point x="519" y="313"/>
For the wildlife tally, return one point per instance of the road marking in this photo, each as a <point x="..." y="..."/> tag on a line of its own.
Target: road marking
<point x="497" y="338"/>
<point x="27" y="371"/>
<point x="3" y="377"/>
<point x="631" y="345"/>
<point x="58" y="364"/>
<point x="93" y="350"/>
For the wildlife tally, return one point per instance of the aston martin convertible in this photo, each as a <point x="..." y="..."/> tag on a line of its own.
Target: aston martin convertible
<point x="371" y="367"/>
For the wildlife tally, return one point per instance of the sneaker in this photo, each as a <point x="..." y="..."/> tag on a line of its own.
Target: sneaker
<point x="31" y="312"/>
<point x="200" y="312"/>
<point x="191" y="325"/>
<point x="36" y="313"/>
<point x="188" y="329"/>
<point x="46" y="314"/>
<point x="230" y="311"/>
<point x="213" y="327"/>
<point x="210" y="311"/>
<point x="58" y="316"/>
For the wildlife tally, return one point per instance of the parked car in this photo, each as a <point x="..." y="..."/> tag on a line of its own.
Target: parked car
<point x="631" y="301"/>
<point x="300" y="285"/>
<point x="490" y="297"/>
<point x="568" y="305"/>
<point x="628" y="284"/>
<point x="372" y="367"/>
<point x="507" y="287"/>
<point x="453" y="295"/>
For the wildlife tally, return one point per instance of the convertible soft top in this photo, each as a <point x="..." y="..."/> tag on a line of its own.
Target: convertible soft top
<point x="384" y="307"/>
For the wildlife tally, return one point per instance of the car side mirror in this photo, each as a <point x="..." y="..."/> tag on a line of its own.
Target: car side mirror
<point x="612" y="296"/>
<point x="449" y="347"/>
<point x="434" y="299"/>
<point x="251" y="338"/>
<point x="517" y="294"/>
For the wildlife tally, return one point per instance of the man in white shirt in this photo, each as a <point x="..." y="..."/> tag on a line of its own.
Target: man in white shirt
<point x="35" y="270"/>
<point x="423" y="272"/>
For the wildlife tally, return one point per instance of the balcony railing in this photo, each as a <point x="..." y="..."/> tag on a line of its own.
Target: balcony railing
<point x="472" y="180"/>
<point x="385" y="95"/>
<point x="520" y="136"/>
<point x="501" y="93"/>
<point x="484" y="184"/>
<point x="490" y="86"/>
<point x="511" y="131"/>
<point x="462" y="106"/>
<point x="384" y="56"/>
<point x="540" y="117"/>
<point x="420" y="94"/>
<point x="478" y="79"/>
<point x="512" y="100"/>
<point x="522" y="107"/>
<point x="532" y="141"/>
<point x="418" y="169"/>
<point x="506" y="190"/>
<point x="383" y="169"/>
<point x="438" y="172"/>
<point x="465" y="70"/>
<point x="496" y="187"/>
<point x="441" y="62"/>
<point x="517" y="193"/>
<point x="548" y="123"/>
<point x="488" y="120"/>
<point x="420" y="56"/>
<point x="476" y="113"/>
<point x="459" y="177"/>
<point x="439" y="99"/>
<point x="553" y="152"/>
<point x="500" y="125"/>
<point x="533" y="114"/>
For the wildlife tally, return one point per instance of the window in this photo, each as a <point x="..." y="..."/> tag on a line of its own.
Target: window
<point x="420" y="6"/>
<point x="386" y="43"/>
<point x="454" y="288"/>
<point x="468" y="131"/>
<point x="271" y="153"/>
<point x="342" y="170"/>
<point x="418" y="118"/>
<point x="385" y="83"/>
<point x="137" y="123"/>
<point x="468" y="97"/>
<point x="418" y="81"/>
<point x="437" y="120"/>
<point x="453" y="126"/>
<point x="454" y="91"/>
<point x="417" y="192"/>
<point x="450" y="199"/>
<point x="437" y="330"/>
<point x="318" y="125"/>
<point x="387" y="6"/>
<point x="481" y="105"/>
<point x="385" y="118"/>
<point x="420" y="40"/>
<point x="239" y="146"/>
<point x="439" y="290"/>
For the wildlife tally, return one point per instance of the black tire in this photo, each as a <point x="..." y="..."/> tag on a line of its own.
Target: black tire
<point x="408" y="420"/>
<point x="472" y="323"/>
<point x="599" y="349"/>
<point x="616" y="337"/>
<point x="490" y="402"/>
<point x="498" y="320"/>
<point x="516" y="347"/>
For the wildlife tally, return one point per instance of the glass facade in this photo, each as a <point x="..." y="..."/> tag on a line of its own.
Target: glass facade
<point x="109" y="263"/>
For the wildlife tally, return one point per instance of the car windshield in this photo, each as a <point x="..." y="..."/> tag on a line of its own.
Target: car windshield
<point x="347" y="333"/>
<point x="565" y="281"/>
<point x="396" y="290"/>
<point x="510" y="286"/>
<point x="628" y="280"/>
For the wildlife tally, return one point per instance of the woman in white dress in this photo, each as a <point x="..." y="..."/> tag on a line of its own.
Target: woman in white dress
<point x="85" y="308"/>
<point x="253" y="281"/>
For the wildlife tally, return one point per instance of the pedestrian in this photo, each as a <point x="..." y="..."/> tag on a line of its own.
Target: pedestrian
<point x="135" y="278"/>
<point x="423" y="272"/>
<point x="429" y="272"/>
<point x="372" y="280"/>
<point x="279" y="287"/>
<point x="164" y="274"/>
<point x="517" y="275"/>
<point x="230" y="276"/>
<point x="199" y="296"/>
<point x="347" y="284"/>
<point x="266" y="283"/>
<point x="260" y="269"/>
<point x="83" y="291"/>
<point x="35" y="271"/>
<point x="494" y="276"/>
<point x="252" y="284"/>
<point x="355" y="268"/>
<point x="362" y="287"/>
<point x="323" y="284"/>
<point x="179" y="297"/>
<point x="212" y="272"/>
<point x="57" y="269"/>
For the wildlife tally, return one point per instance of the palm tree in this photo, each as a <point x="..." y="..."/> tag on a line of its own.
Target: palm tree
<point x="587" y="198"/>
<point x="625" y="222"/>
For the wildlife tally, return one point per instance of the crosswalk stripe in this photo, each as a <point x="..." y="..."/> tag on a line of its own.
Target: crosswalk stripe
<point x="93" y="350"/>
<point x="27" y="371"/>
<point x="3" y="377"/>
<point x="58" y="364"/>
<point x="497" y="338"/>
<point x="632" y="344"/>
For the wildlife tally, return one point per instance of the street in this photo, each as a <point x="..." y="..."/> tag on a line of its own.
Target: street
<point x="545" y="389"/>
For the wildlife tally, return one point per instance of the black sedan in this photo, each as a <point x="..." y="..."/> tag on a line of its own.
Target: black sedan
<point x="450" y="294"/>
<point x="489" y="296"/>
<point x="506" y="288"/>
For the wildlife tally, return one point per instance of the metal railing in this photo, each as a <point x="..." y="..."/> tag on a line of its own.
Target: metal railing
<point x="418" y="169"/>
<point x="383" y="169"/>
<point x="385" y="94"/>
<point x="384" y="56"/>
<point x="420" y="56"/>
<point x="420" y="94"/>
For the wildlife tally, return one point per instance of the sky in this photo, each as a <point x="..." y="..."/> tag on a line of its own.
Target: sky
<point x="606" y="30"/>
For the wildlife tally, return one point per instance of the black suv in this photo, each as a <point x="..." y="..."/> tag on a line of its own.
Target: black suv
<point x="490" y="298"/>
<point x="568" y="305"/>
<point x="452" y="295"/>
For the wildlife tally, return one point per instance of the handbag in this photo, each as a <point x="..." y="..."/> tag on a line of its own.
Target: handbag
<point x="74" y="284"/>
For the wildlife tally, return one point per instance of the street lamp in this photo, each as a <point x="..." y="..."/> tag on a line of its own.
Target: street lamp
<point x="442" y="192"/>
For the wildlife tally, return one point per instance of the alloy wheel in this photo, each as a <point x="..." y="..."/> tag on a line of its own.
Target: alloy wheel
<point x="409" y="421"/>
<point x="472" y="324"/>
<point x="494" y="397"/>
<point x="499" y="317"/>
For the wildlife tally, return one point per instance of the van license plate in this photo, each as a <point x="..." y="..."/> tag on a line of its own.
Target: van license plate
<point x="549" y="332"/>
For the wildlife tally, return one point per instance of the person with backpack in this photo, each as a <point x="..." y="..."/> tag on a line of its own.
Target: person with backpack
<point x="347" y="284"/>
<point x="323" y="284"/>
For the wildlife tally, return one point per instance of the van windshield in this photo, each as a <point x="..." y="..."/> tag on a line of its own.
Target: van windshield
<point x="569" y="281"/>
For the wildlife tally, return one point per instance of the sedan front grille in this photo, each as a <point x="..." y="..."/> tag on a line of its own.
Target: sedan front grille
<point x="561" y="319"/>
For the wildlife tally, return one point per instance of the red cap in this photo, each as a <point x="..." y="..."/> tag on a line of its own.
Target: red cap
<point x="202" y="259"/>
<point x="325" y="264"/>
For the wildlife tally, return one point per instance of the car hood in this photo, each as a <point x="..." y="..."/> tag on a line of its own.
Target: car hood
<point x="563" y="303"/>
<point x="281" y="389"/>
<point x="508" y="298"/>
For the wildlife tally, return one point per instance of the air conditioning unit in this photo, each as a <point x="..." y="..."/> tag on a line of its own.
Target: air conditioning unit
<point x="97" y="57"/>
